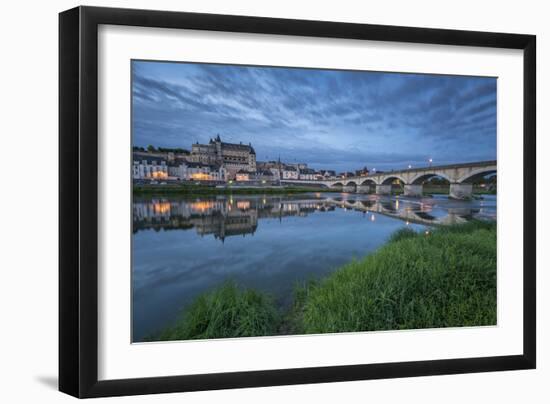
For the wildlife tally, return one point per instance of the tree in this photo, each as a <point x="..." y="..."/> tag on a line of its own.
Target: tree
<point x="150" y="148"/>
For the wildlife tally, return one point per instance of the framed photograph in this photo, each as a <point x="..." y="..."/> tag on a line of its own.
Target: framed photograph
<point x="251" y="201"/>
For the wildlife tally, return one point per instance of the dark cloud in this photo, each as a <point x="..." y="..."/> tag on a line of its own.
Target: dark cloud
<point x="327" y="118"/>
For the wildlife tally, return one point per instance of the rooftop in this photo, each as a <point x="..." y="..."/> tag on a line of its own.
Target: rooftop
<point x="307" y="171"/>
<point x="234" y="146"/>
<point x="139" y="157"/>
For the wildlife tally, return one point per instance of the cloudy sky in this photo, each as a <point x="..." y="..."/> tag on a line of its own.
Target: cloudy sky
<point x="341" y="120"/>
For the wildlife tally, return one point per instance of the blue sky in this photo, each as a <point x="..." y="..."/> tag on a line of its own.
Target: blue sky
<point x="341" y="120"/>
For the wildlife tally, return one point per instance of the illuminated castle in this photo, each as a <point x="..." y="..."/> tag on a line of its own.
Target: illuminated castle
<point x="231" y="156"/>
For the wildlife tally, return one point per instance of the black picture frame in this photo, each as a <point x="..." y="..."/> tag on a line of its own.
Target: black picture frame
<point x="78" y="201"/>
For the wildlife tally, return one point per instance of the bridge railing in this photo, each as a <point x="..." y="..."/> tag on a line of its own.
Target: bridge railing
<point x="438" y="167"/>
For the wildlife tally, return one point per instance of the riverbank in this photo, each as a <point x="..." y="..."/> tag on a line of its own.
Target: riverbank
<point x="209" y="190"/>
<point x="442" y="278"/>
<point x="477" y="191"/>
<point x="170" y="189"/>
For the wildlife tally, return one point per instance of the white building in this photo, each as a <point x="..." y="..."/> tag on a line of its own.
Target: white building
<point x="187" y="171"/>
<point x="150" y="168"/>
<point x="306" y="174"/>
<point x="290" y="173"/>
<point x="242" y="175"/>
<point x="276" y="173"/>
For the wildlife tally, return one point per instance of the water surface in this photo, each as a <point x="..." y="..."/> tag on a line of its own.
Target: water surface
<point x="184" y="246"/>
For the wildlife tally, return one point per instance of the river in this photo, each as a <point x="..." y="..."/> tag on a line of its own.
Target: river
<point x="184" y="246"/>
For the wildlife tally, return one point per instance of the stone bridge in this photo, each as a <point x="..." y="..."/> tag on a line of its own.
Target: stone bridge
<point x="460" y="177"/>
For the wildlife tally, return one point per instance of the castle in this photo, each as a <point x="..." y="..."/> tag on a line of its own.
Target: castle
<point x="233" y="157"/>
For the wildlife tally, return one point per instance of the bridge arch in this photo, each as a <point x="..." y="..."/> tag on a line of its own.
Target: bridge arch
<point x="337" y="185"/>
<point x="476" y="174"/>
<point x="350" y="186"/>
<point x="367" y="186"/>
<point x="390" y="178"/>
<point x="423" y="177"/>
<point x="368" y="181"/>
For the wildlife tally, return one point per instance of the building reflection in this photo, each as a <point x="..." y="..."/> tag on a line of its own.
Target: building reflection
<point x="224" y="217"/>
<point x="220" y="217"/>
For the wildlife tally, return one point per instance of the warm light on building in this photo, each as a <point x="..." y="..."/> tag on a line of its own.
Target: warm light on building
<point x="160" y="208"/>
<point x="243" y="205"/>
<point x="201" y="177"/>
<point x="202" y="206"/>
<point x="159" y="175"/>
<point x="242" y="177"/>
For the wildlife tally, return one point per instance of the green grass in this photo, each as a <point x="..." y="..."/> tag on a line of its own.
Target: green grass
<point x="444" y="190"/>
<point x="226" y="312"/>
<point x="445" y="278"/>
<point x="403" y="233"/>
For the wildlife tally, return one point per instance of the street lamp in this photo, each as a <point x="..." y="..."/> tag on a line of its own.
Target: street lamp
<point x="430" y="161"/>
<point x="410" y="166"/>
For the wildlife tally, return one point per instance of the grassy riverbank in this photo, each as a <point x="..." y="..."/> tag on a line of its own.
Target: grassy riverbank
<point x="442" y="279"/>
<point x="445" y="278"/>
<point x="209" y="190"/>
<point x="225" y="313"/>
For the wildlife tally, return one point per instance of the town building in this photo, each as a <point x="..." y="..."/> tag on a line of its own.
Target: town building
<point x="328" y="174"/>
<point x="290" y="173"/>
<point x="274" y="167"/>
<point x="242" y="175"/>
<point x="187" y="171"/>
<point x="151" y="168"/>
<point x="306" y="174"/>
<point x="222" y="161"/>
<point x="168" y="155"/>
<point x="266" y="165"/>
<point x="276" y="172"/>
<point x="298" y="166"/>
<point x="363" y="172"/>
<point x="233" y="157"/>
<point x="266" y="176"/>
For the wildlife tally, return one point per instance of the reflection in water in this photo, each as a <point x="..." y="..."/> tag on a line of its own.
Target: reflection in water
<point x="238" y="215"/>
<point x="182" y="247"/>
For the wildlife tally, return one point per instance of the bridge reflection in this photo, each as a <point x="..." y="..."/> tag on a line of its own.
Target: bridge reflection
<point x="411" y="211"/>
<point x="240" y="215"/>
